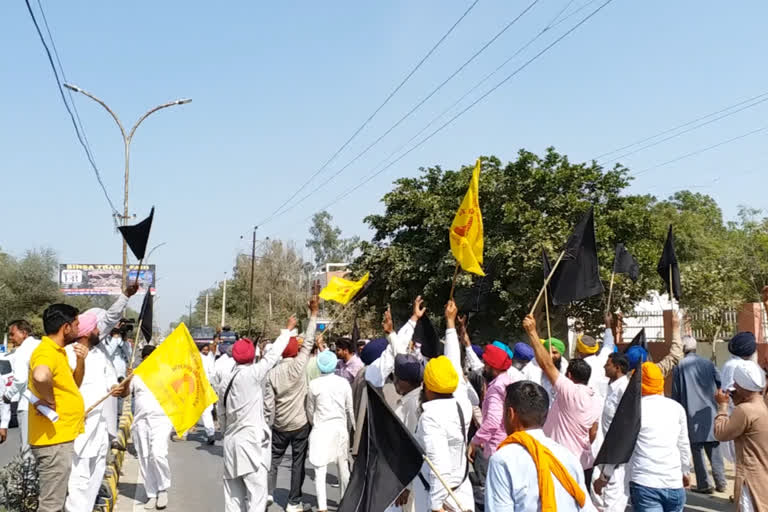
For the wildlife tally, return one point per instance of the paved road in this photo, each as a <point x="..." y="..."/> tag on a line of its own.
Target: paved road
<point x="197" y="487"/>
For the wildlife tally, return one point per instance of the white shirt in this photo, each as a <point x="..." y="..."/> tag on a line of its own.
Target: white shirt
<point x="222" y="369"/>
<point x="729" y="368"/>
<point x="6" y="380"/>
<point x="408" y="409"/>
<point x="209" y="363"/>
<point x="439" y="432"/>
<point x="98" y="379"/>
<point x="661" y="455"/>
<point x="118" y="352"/>
<point x="241" y="413"/>
<point x="533" y="372"/>
<point x="21" y="372"/>
<point x="330" y="411"/>
<point x="512" y="483"/>
<point x="597" y="379"/>
<point x="615" y="392"/>
<point x="377" y="372"/>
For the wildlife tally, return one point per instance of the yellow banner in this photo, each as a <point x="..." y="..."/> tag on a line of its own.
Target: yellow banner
<point x="466" y="233"/>
<point x="341" y="290"/>
<point x="175" y="375"/>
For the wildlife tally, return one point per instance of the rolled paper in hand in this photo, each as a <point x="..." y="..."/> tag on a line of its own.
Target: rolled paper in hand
<point x="44" y="409"/>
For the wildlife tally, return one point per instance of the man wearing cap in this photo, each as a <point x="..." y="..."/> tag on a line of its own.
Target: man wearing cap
<point x="695" y="381"/>
<point x="241" y="414"/>
<point x="443" y="427"/>
<point x="747" y="426"/>
<point x="589" y="350"/>
<point x="660" y="463"/>
<point x="329" y="409"/>
<point x="90" y="459"/>
<point x="742" y="347"/>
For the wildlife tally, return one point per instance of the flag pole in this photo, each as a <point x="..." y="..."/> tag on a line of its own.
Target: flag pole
<point x="546" y="282"/>
<point x="138" y="271"/>
<point x="610" y="290"/>
<point x="442" y="481"/>
<point x="119" y="386"/>
<point x="549" y="329"/>
<point x="671" y="285"/>
<point x="455" y="275"/>
<point x="138" y="335"/>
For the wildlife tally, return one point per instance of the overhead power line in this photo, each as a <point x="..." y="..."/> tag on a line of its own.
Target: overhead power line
<point x="80" y="135"/>
<point x="462" y="112"/>
<point x="375" y="112"/>
<point x="702" y="150"/>
<point x="684" y="125"/>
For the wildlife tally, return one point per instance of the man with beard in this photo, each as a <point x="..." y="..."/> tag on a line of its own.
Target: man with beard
<point x="20" y="331"/>
<point x="54" y="385"/>
<point x="91" y="447"/>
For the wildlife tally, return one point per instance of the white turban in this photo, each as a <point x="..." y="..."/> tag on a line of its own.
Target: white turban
<point x="689" y="343"/>
<point x="749" y="376"/>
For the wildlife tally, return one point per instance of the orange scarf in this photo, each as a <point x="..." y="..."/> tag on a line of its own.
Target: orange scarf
<point x="546" y="466"/>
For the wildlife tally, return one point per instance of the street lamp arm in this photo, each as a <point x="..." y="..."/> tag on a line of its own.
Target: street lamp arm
<point x="153" y="110"/>
<point x="97" y="100"/>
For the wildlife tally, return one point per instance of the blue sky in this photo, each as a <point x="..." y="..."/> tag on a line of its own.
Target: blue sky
<point x="277" y="87"/>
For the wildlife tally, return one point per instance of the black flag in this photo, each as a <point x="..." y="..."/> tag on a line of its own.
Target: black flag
<point x="479" y="296"/>
<point x="381" y="472"/>
<point x="546" y="266"/>
<point x="625" y="263"/>
<point x="145" y="317"/>
<point x="426" y="334"/>
<point x="669" y="260"/>
<point x="136" y="236"/>
<point x="639" y="340"/>
<point x="578" y="277"/>
<point x="620" y="440"/>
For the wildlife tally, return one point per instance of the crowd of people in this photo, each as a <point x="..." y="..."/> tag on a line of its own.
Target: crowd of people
<point x="505" y="427"/>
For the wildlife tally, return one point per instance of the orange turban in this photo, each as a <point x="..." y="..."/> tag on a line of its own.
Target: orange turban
<point x="653" y="379"/>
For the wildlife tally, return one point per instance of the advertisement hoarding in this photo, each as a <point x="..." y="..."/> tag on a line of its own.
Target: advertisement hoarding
<point x="102" y="279"/>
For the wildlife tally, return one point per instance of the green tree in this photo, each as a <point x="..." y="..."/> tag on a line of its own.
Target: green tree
<point x="27" y="286"/>
<point x="327" y="243"/>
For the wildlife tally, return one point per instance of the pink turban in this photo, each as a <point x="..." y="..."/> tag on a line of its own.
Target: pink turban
<point x="88" y="322"/>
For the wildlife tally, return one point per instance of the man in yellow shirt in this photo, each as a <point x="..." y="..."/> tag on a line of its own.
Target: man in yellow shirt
<point x="55" y="385"/>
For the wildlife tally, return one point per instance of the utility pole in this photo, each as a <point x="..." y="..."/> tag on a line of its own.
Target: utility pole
<point x="127" y="144"/>
<point x="190" y="313"/>
<point x="270" y="306"/>
<point x="206" y="310"/>
<point x="224" y="303"/>
<point x="250" y="290"/>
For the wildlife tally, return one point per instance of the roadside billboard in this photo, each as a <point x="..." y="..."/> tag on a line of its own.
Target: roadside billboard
<point x="102" y="279"/>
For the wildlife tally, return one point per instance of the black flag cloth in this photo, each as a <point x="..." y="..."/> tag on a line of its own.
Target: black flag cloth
<point x="620" y="440"/>
<point x="639" y="340"/>
<point x="145" y="315"/>
<point x="578" y="277"/>
<point x="136" y="236"/>
<point x="546" y="265"/>
<point x="625" y="263"/>
<point x="669" y="260"/>
<point x="388" y="460"/>
<point x="479" y="297"/>
<point x="426" y="334"/>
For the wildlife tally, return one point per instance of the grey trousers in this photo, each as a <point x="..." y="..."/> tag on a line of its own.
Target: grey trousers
<point x="54" y="463"/>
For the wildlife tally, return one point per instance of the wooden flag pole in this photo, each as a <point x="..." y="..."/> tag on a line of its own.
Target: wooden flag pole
<point x="119" y="386"/>
<point x="546" y="282"/>
<point x="549" y="329"/>
<point x="610" y="290"/>
<point x="671" y="285"/>
<point x="138" y="271"/>
<point x="442" y="481"/>
<point x="455" y="275"/>
<point x="136" y="342"/>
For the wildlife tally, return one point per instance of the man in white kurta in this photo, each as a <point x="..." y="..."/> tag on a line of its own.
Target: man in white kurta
<point x="207" y="417"/>
<point x="90" y="458"/>
<point x="246" y="433"/>
<point x="151" y="430"/>
<point x="329" y="410"/>
<point x="21" y="333"/>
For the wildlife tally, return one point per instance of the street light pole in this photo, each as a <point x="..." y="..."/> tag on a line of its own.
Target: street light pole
<point x="250" y="289"/>
<point x="224" y="303"/>
<point x="127" y="143"/>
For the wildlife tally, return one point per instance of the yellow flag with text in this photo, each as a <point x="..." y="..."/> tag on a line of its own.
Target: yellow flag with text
<point x="467" y="228"/>
<point x="175" y="375"/>
<point x="342" y="290"/>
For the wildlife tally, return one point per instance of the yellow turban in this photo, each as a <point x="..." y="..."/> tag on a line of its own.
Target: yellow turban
<point x="440" y="376"/>
<point x="653" y="379"/>
<point x="584" y="348"/>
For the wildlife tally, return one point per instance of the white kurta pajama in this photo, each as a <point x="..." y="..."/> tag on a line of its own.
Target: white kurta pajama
<point x="246" y="433"/>
<point x="90" y="458"/>
<point x="329" y="409"/>
<point x="207" y="416"/>
<point x="615" y="496"/>
<point x="150" y="432"/>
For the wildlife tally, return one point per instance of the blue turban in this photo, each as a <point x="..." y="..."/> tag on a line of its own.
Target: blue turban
<point x="408" y="367"/>
<point x="504" y="347"/>
<point x="373" y="350"/>
<point x="743" y="344"/>
<point x="326" y="361"/>
<point x="478" y="350"/>
<point x="637" y="355"/>
<point x="522" y="352"/>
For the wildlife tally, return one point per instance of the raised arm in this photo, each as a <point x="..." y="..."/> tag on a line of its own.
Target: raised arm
<point x="302" y="358"/>
<point x="452" y="347"/>
<point x="675" y="349"/>
<point x="113" y="315"/>
<point x="273" y="356"/>
<point x="543" y="358"/>
<point x="379" y="371"/>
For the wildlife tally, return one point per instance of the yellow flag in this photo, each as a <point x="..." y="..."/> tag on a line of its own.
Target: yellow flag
<point x="175" y="375"/>
<point x="342" y="290"/>
<point x="467" y="228"/>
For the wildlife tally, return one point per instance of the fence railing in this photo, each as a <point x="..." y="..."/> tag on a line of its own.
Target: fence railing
<point x="653" y="322"/>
